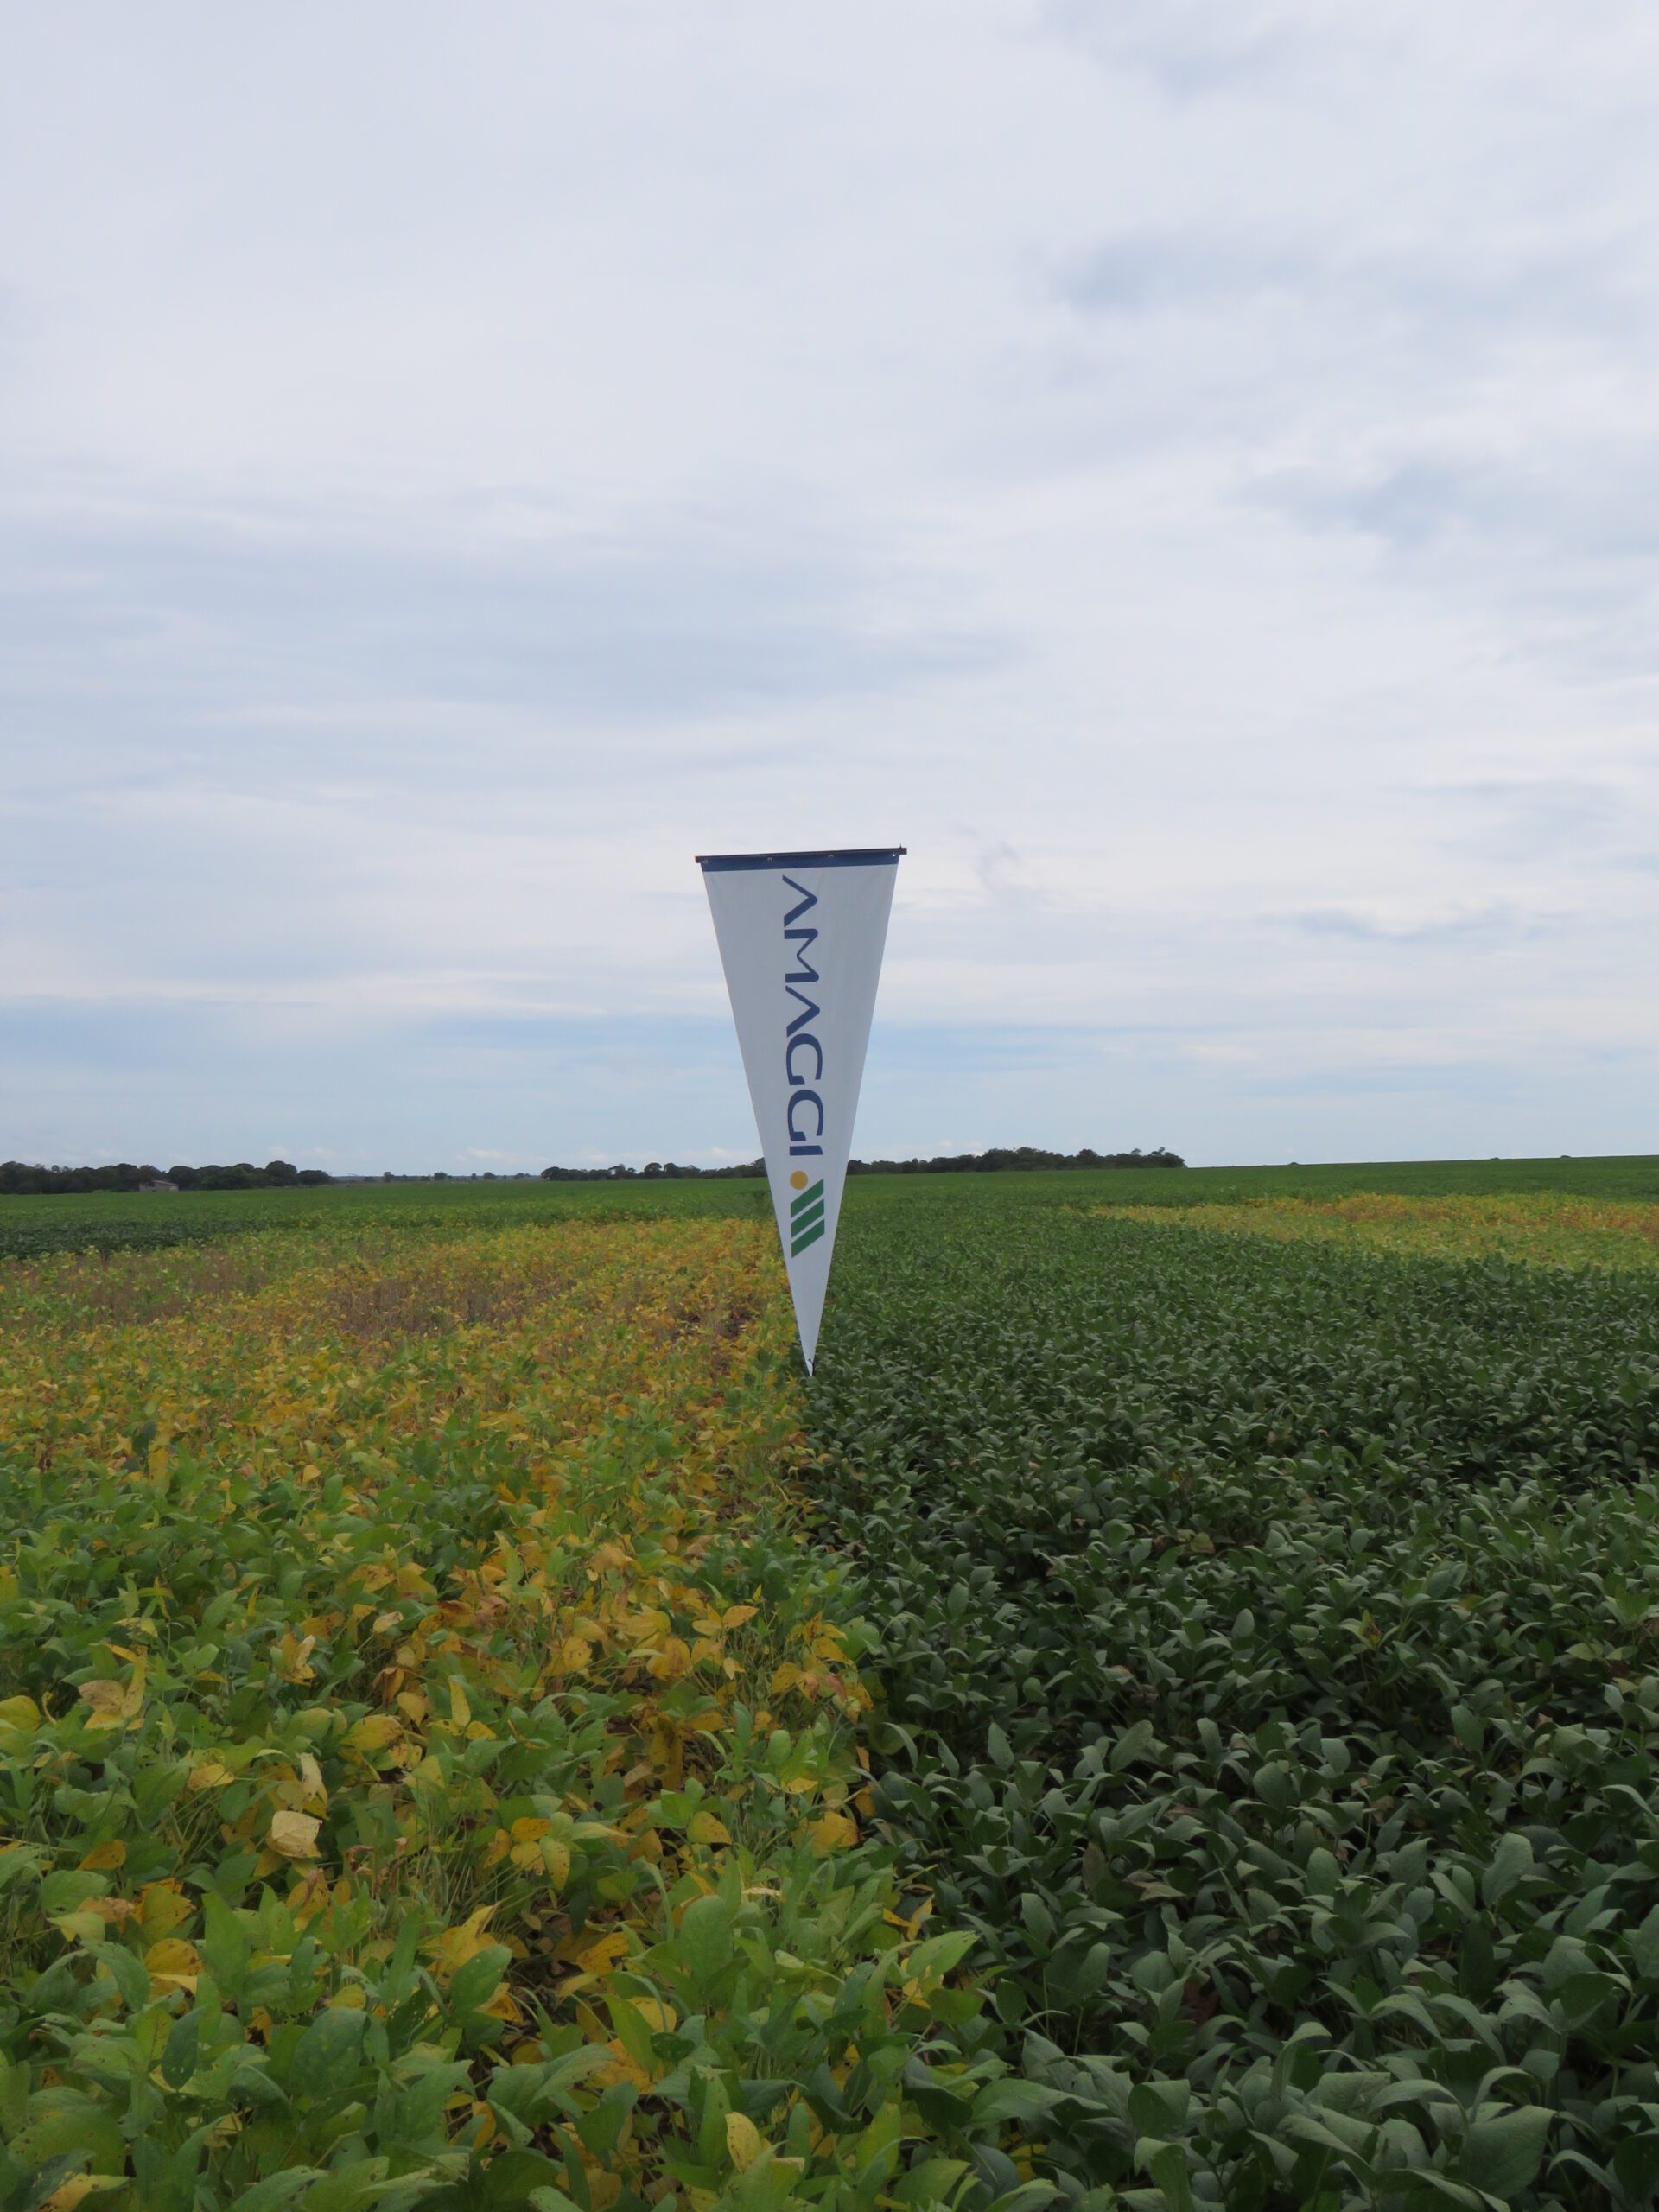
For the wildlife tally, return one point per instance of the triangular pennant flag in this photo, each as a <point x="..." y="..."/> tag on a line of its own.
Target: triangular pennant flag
<point x="800" y="938"/>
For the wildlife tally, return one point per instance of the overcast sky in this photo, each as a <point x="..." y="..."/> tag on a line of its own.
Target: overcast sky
<point x="1187" y="469"/>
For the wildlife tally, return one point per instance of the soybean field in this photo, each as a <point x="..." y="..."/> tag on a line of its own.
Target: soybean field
<point x="1265" y="1636"/>
<point x="1165" y="1718"/>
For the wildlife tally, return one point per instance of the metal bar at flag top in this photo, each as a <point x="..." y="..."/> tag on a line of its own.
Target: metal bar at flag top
<point x="852" y="856"/>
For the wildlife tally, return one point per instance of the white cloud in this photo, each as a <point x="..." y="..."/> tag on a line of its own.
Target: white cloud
<point x="1187" y="470"/>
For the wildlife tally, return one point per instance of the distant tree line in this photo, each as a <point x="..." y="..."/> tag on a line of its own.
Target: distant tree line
<point x="18" y="1179"/>
<point x="1002" y="1160"/>
<point x="999" y="1159"/>
<point x="654" y="1171"/>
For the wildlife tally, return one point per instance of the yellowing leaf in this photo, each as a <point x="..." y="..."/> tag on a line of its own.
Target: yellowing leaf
<point x="212" y="1774"/>
<point x="172" y="1964"/>
<point x="161" y="1906"/>
<point x="20" y="1714"/>
<point x="602" y="1953"/>
<point x="373" y="1733"/>
<point x="832" y="1832"/>
<point x="294" y="1834"/>
<point x="621" y="2068"/>
<point x="68" y="2193"/>
<point x="673" y="1661"/>
<point x="575" y="1655"/>
<point x="108" y="1701"/>
<point x="708" y="1828"/>
<point x="112" y="1853"/>
<point x="743" y="2142"/>
<point x="456" y="1945"/>
<point x="83" y="1927"/>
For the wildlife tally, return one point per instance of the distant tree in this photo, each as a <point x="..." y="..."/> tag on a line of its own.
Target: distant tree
<point x="22" y="1179"/>
<point x="999" y="1159"/>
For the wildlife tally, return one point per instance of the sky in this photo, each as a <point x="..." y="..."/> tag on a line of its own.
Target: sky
<point x="1188" y="469"/>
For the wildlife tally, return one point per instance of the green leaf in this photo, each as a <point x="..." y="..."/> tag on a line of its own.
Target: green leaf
<point x="1130" y="1745"/>
<point x="1167" y="2167"/>
<point x="1160" y="2108"/>
<point x="324" y="2058"/>
<point x="939" y="1954"/>
<point x="476" y="1982"/>
<point x="126" y="1970"/>
<point x="1275" y="1786"/>
<point x="1030" y="2196"/>
<point x="278" y="2189"/>
<point x="1636" y="2167"/>
<point x="224" y="1946"/>
<point x="704" y="1936"/>
<point x="1509" y="1864"/>
<point x="1644" y="1947"/>
<point x="1468" y="1727"/>
<point x="178" y="2055"/>
<point x="1027" y="2102"/>
<point x="1503" y="2154"/>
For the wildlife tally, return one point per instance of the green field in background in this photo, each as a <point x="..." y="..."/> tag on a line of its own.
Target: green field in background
<point x="109" y="1221"/>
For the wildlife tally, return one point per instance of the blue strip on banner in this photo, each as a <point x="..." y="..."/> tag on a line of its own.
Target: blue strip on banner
<point x="863" y="856"/>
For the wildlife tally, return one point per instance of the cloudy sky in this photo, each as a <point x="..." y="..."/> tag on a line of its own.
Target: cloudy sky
<point x="1187" y="469"/>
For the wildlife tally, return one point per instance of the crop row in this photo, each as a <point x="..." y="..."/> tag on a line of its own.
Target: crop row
<point x="428" y="1757"/>
<point x="1546" y="1228"/>
<point x="1266" y="1635"/>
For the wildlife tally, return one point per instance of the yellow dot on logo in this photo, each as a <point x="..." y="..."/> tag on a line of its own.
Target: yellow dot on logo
<point x="798" y="1181"/>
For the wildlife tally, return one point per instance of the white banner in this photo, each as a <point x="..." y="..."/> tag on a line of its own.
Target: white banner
<point x="800" y="938"/>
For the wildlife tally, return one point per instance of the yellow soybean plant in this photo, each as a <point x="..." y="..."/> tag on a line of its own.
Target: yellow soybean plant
<point x="428" y="1757"/>
<point x="1545" y="1228"/>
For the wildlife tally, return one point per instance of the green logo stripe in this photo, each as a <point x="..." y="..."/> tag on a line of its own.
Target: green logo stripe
<point x="807" y="1200"/>
<point x="805" y="1219"/>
